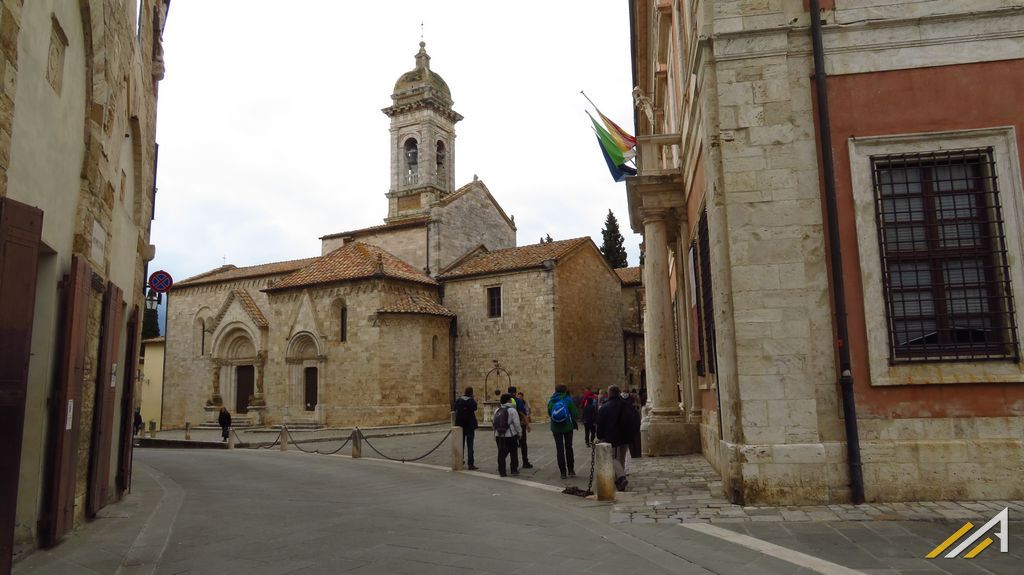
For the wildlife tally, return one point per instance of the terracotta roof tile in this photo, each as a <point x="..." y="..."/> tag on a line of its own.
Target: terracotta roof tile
<point x="411" y="222"/>
<point x="251" y="308"/>
<point x="349" y="262"/>
<point x="630" y="276"/>
<point x="230" y="272"/>
<point x="512" y="259"/>
<point x="410" y="303"/>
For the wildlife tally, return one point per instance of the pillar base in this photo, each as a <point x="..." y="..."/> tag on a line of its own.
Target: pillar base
<point x="668" y="435"/>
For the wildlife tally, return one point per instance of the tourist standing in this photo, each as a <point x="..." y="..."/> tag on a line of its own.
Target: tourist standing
<point x="465" y="417"/>
<point x="589" y="417"/>
<point x="617" y="425"/>
<point x="507" y="429"/>
<point x="563" y="414"/>
<point x="524" y="418"/>
<point x="224" y="419"/>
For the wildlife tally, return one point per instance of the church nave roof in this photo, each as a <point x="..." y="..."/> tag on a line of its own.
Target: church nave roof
<point x="230" y="272"/>
<point x="350" y="262"/>
<point x="511" y="259"/>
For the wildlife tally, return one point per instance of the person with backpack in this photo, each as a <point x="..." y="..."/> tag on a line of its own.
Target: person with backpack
<point x="618" y="423"/>
<point x="465" y="417"/>
<point x="524" y="419"/>
<point x="589" y="417"/>
<point x="564" y="414"/>
<point x="507" y="430"/>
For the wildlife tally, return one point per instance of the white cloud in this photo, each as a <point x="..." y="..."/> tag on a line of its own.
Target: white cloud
<point x="271" y="134"/>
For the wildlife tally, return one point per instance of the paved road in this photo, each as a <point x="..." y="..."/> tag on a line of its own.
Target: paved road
<point x="268" y="512"/>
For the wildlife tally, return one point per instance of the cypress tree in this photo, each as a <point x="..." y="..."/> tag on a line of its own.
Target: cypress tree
<point x="611" y="243"/>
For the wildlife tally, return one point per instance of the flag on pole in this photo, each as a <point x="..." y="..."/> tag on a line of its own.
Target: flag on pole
<point x="619" y="171"/>
<point x="617" y="145"/>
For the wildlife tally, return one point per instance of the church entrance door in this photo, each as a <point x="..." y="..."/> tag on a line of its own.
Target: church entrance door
<point x="246" y="386"/>
<point x="310" y="377"/>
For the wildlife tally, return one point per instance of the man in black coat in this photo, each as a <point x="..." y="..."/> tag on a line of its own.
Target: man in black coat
<point x="465" y="417"/>
<point x="618" y="423"/>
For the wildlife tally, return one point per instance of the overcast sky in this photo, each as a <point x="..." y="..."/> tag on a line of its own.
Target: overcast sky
<point x="271" y="133"/>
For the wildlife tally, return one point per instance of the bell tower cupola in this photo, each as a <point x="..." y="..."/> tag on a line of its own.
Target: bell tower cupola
<point x="422" y="141"/>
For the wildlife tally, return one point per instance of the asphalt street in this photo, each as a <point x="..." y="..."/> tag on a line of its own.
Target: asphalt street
<point x="271" y="512"/>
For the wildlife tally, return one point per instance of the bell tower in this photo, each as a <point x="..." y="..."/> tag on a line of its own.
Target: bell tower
<point x="422" y="141"/>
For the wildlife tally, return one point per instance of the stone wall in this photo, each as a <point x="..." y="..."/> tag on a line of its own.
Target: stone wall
<point x="522" y="339"/>
<point x="588" y="322"/>
<point x="466" y="222"/>
<point x="77" y="140"/>
<point x="784" y="437"/>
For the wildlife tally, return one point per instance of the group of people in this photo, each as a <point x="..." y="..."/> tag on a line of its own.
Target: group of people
<point x="610" y="417"/>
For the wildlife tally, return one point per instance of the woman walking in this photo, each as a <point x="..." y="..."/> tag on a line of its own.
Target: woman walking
<point x="224" y="419"/>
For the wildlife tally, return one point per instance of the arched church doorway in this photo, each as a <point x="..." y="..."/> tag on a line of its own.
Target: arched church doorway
<point x="310" y="377"/>
<point x="245" y="387"/>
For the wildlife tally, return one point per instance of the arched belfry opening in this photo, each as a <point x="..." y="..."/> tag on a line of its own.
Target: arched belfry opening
<point x="411" y="158"/>
<point x="422" y="139"/>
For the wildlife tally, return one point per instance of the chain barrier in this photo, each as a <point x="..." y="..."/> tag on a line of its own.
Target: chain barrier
<point x="317" y="450"/>
<point x="406" y="460"/>
<point x="572" y="489"/>
<point x="246" y="445"/>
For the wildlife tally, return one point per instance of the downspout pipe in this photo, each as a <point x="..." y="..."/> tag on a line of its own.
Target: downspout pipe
<point x="836" y="255"/>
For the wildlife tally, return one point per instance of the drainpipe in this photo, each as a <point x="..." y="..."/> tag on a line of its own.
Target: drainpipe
<point x="836" y="254"/>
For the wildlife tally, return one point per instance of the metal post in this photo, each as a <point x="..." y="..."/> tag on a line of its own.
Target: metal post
<point x="457" y="454"/>
<point x="357" y="443"/>
<point x="284" y="438"/>
<point x="604" y="473"/>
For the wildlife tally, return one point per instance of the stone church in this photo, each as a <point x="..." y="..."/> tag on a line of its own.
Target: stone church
<point x="391" y="322"/>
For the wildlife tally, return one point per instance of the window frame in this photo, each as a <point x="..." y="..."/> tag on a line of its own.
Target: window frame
<point x="488" y="301"/>
<point x="1006" y="157"/>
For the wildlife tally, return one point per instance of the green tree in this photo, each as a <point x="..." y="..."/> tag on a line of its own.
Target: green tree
<point x="611" y="243"/>
<point x="547" y="239"/>
<point x="641" y="253"/>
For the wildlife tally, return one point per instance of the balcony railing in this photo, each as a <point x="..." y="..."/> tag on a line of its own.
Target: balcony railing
<point x="659" y="155"/>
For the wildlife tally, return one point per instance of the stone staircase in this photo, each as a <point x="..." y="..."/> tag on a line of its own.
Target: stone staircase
<point x="300" y="424"/>
<point x="237" y="422"/>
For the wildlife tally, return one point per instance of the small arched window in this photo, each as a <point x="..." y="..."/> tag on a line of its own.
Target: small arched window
<point x="411" y="160"/>
<point x="441" y="156"/>
<point x="433" y="348"/>
<point x="343" y="324"/>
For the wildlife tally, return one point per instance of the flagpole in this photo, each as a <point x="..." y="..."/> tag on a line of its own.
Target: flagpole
<point x="589" y="100"/>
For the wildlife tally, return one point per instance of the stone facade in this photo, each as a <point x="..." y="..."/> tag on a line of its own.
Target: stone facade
<point x="746" y="162"/>
<point x="77" y="142"/>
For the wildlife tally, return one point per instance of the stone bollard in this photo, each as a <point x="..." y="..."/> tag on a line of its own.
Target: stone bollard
<point x="152" y="429"/>
<point x="604" y="473"/>
<point x="284" y="438"/>
<point x="231" y="441"/>
<point x="188" y="430"/>
<point x="457" y="448"/>
<point x="357" y="443"/>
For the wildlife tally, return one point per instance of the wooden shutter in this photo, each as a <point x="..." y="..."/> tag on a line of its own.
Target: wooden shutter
<point x="131" y="366"/>
<point x="20" y="229"/>
<point x="66" y="414"/>
<point x="103" y="412"/>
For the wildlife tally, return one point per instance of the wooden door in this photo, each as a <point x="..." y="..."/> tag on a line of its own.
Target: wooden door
<point x="66" y="407"/>
<point x="103" y="412"/>
<point x="20" y="229"/>
<point x="310" y="376"/>
<point x="244" y="376"/>
<point x="127" y="425"/>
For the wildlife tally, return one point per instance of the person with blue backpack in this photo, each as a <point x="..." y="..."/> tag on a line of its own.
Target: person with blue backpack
<point x="564" y="414"/>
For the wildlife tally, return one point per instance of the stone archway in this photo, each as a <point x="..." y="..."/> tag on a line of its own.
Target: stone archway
<point x="236" y="364"/>
<point x="303" y="396"/>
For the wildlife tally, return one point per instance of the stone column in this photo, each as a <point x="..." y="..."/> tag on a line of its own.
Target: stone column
<point x="216" y="398"/>
<point x="261" y="361"/>
<point x="664" y="430"/>
<point x="691" y="403"/>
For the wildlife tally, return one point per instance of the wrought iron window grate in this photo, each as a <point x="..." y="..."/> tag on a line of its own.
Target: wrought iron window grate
<point x="944" y="261"/>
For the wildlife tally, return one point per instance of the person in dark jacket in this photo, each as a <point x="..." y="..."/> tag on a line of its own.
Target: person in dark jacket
<point x="465" y="417"/>
<point x="589" y="417"/>
<point x="137" y="424"/>
<point x="563" y="430"/>
<point x="224" y="419"/>
<point x="616" y="426"/>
